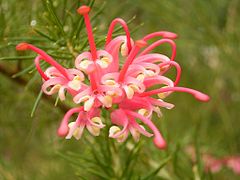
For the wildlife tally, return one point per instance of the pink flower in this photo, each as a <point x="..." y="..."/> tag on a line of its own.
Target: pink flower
<point x="91" y="120"/>
<point x="127" y="87"/>
<point x="214" y="164"/>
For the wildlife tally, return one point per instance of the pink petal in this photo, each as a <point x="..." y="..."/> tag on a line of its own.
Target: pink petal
<point x="109" y="76"/>
<point x="77" y="98"/>
<point x="140" y="129"/>
<point x="61" y="93"/>
<point x="113" y="48"/>
<point x="151" y="58"/>
<point x="158" y="80"/>
<point x="63" y="128"/>
<point x="136" y="103"/>
<point x="83" y="56"/>
<point x="51" y="82"/>
<point x="53" y="72"/>
<point x="75" y="72"/>
<point x="134" y="81"/>
<point x="119" y="117"/>
<point x="161" y="103"/>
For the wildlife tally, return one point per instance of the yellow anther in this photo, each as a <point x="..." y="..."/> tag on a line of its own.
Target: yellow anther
<point x="97" y="120"/>
<point x="104" y="62"/>
<point x="114" y="130"/>
<point x="134" y="87"/>
<point x="124" y="49"/>
<point x="150" y="73"/>
<point x="129" y="92"/>
<point x="112" y="93"/>
<point x="84" y="64"/>
<point x="75" y="84"/>
<point x="121" y="138"/>
<point x="107" y="101"/>
<point x="95" y="131"/>
<point x="162" y="95"/>
<point x="141" y="77"/>
<point x="55" y="88"/>
<point x="76" y="133"/>
<point x="143" y="112"/>
<point x="78" y="78"/>
<point x="110" y="82"/>
<point x="105" y="59"/>
<point x="88" y="104"/>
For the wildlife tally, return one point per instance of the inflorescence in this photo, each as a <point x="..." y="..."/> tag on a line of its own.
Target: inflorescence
<point x="98" y="81"/>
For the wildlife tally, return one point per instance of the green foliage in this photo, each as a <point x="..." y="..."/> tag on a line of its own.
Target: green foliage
<point x="208" y="50"/>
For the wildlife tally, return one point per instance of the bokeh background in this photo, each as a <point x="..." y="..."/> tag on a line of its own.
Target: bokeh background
<point x="208" y="50"/>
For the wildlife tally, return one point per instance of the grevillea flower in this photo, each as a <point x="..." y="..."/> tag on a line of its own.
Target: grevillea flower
<point x="215" y="164"/>
<point x="130" y="87"/>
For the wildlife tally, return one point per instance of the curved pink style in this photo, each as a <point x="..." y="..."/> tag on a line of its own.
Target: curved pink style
<point x="45" y="56"/>
<point x="163" y="34"/>
<point x="63" y="128"/>
<point x="178" y="68"/>
<point x="198" y="95"/>
<point x="125" y="27"/>
<point x="39" y="69"/>
<point x="158" y="43"/>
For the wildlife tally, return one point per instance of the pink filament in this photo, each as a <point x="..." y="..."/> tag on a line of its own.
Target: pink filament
<point x="63" y="128"/>
<point x="84" y="10"/>
<point x="198" y="95"/>
<point x="158" y="43"/>
<point x="158" y="139"/>
<point x="178" y="68"/>
<point x="39" y="69"/>
<point x="164" y="34"/>
<point x="125" y="27"/>
<point x="45" y="57"/>
<point x="138" y="44"/>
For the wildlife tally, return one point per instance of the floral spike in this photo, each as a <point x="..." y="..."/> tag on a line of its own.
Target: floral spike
<point x="130" y="87"/>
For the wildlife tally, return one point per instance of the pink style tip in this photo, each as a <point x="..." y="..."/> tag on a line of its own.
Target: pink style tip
<point x="202" y="97"/>
<point x="141" y="43"/>
<point x="83" y="10"/>
<point x="161" y="144"/>
<point x="22" y="46"/>
<point x="62" y="130"/>
<point x="170" y="35"/>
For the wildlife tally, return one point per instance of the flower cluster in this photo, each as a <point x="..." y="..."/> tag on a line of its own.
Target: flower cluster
<point x="214" y="164"/>
<point x="99" y="81"/>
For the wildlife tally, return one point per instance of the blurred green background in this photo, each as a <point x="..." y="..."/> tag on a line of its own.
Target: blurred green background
<point x="208" y="50"/>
